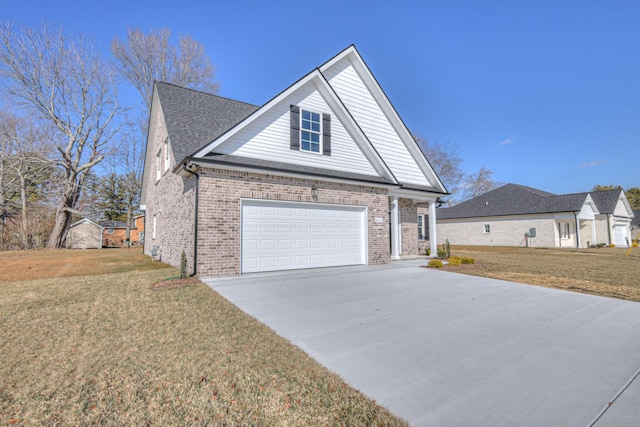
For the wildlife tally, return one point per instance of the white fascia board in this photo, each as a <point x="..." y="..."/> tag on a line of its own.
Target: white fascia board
<point x="314" y="77"/>
<point x="627" y="206"/>
<point x="155" y="104"/>
<point x="253" y="116"/>
<point x="359" y="137"/>
<point x="417" y="195"/>
<point x="394" y="118"/>
<point x="589" y="202"/>
<point x="203" y="163"/>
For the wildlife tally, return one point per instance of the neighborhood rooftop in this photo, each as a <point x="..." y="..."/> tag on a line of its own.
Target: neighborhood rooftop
<point x="514" y="199"/>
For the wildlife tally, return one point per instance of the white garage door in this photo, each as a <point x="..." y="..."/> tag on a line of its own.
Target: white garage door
<point x="620" y="233"/>
<point x="285" y="236"/>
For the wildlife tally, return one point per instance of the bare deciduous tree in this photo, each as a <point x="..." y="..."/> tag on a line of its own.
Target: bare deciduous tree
<point x="25" y="168"/>
<point x="122" y="182"/>
<point x="145" y="58"/>
<point x="445" y="160"/>
<point x="479" y="183"/>
<point x="64" y="82"/>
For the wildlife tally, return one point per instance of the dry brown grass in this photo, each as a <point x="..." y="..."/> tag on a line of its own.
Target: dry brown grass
<point x="42" y="264"/>
<point x="605" y="271"/>
<point x="113" y="349"/>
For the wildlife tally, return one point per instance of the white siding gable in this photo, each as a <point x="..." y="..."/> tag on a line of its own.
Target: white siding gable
<point x="376" y="125"/>
<point x="267" y="137"/>
<point x="621" y="209"/>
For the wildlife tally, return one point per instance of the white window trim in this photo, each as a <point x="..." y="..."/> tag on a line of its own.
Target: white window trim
<point x="155" y="222"/>
<point x="167" y="159"/>
<point x="565" y="231"/>
<point x="487" y="229"/>
<point x="319" y="152"/>
<point x="159" y="165"/>
<point x="421" y="233"/>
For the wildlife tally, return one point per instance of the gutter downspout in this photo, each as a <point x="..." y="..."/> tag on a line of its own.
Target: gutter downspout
<point x="195" y="226"/>
<point x="577" y="230"/>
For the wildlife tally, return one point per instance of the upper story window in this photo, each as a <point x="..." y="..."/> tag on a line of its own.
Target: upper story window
<point x="166" y="155"/>
<point x="159" y="165"/>
<point x="310" y="131"/>
<point x="310" y="125"/>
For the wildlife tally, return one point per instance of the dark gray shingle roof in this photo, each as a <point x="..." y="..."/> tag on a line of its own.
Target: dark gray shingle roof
<point x="606" y="200"/>
<point x="195" y="118"/>
<point x="513" y="199"/>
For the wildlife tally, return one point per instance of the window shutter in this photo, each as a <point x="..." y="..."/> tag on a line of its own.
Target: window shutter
<point x="326" y="135"/>
<point x="295" y="127"/>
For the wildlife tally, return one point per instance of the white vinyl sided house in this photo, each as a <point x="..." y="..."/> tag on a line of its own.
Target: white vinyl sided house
<point x="516" y="215"/>
<point x="324" y="174"/>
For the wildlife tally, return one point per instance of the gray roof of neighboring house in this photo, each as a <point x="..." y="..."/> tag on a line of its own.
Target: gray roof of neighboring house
<point x="513" y="199"/>
<point x="606" y="200"/>
<point x="195" y="118"/>
<point x="635" y="222"/>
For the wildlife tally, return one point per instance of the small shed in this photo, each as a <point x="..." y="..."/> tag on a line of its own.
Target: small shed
<point x="84" y="234"/>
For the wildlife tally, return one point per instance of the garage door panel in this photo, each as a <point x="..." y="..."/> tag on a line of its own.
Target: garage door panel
<point x="268" y="227"/>
<point x="281" y="235"/>
<point x="267" y="244"/>
<point x="620" y="235"/>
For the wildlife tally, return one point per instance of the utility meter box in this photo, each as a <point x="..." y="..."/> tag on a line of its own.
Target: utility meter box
<point x="532" y="232"/>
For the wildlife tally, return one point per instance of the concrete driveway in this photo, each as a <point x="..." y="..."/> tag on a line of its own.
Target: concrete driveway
<point x="443" y="349"/>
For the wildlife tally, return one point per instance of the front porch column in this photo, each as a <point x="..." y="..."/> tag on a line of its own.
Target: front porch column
<point x="577" y="232"/>
<point x="395" y="228"/>
<point x="433" y="240"/>
<point x="594" y="238"/>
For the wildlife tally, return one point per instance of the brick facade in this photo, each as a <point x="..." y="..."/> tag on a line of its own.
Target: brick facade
<point x="424" y="244"/>
<point x="219" y="213"/>
<point x="409" y="226"/>
<point x="170" y="203"/>
<point x="117" y="236"/>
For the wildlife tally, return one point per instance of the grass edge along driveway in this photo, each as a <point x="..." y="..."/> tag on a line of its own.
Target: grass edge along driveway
<point x="605" y="271"/>
<point x="114" y="349"/>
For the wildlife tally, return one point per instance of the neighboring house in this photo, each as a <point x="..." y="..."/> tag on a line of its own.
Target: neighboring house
<point x="323" y="174"/>
<point x="115" y="232"/>
<point x="635" y="223"/>
<point x="615" y="220"/>
<point x="138" y="223"/>
<point x="84" y="234"/>
<point x="516" y="215"/>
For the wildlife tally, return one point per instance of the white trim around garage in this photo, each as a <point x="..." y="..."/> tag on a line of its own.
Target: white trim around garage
<point x="284" y="235"/>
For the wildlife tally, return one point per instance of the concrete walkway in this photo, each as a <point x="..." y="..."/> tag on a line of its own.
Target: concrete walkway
<point x="444" y="349"/>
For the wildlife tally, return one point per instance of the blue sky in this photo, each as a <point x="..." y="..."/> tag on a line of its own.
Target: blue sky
<point x="544" y="93"/>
